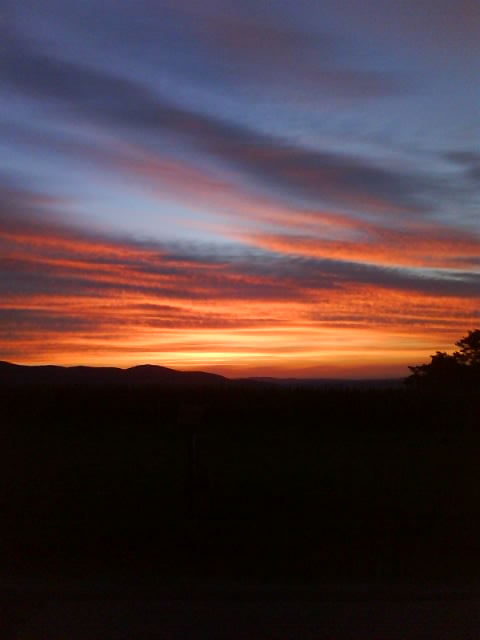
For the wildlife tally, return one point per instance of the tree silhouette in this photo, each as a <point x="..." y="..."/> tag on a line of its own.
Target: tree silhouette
<point x="469" y="353"/>
<point x="456" y="371"/>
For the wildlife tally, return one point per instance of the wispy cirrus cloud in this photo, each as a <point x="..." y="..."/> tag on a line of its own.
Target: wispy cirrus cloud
<point x="269" y="162"/>
<point x="68" y="291"/>
<point x="232" y="183"/>
<point x="431" y="246"/>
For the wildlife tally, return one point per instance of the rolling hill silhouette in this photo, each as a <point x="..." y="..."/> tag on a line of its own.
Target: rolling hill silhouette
<point x="14" y="374"/>
<point x="148" y="374"/>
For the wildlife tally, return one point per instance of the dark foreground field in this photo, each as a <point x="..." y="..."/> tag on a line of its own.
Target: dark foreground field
<point x="303" y="507"/>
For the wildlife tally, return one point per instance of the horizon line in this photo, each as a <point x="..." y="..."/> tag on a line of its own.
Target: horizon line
<point x="260" y="377"/>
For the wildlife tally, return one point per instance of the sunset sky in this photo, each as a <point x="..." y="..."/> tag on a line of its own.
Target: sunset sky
<point x="249" y="187"/>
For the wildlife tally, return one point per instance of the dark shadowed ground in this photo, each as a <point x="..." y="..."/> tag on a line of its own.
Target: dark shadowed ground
<point x="335" y="513"/>
<point x="241" y="611"/>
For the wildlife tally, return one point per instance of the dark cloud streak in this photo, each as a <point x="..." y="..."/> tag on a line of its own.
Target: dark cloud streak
<point x="135" y="111"/>
<point x="40" y="261"/>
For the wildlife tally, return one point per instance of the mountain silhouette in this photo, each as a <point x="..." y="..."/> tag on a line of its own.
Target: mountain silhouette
<point x="14" y="374"/>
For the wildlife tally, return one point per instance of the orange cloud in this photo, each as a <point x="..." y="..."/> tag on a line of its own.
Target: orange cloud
<point x="81" y="299"/>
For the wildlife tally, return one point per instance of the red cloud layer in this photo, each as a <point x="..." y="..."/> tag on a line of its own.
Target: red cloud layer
<point x="79" y="299"/>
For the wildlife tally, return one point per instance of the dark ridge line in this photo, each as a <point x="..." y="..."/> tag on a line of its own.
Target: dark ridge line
<point x="149" y="374"/>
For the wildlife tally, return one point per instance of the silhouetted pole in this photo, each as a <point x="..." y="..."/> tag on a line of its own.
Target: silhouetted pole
<point x="190" y="416"/>
<point x="193" y="469"/>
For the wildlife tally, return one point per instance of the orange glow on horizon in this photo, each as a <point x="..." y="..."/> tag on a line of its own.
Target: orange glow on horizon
<point x="104" y="303"/>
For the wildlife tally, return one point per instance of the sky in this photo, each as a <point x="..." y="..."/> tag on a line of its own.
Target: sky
<point x="249" y="187"/>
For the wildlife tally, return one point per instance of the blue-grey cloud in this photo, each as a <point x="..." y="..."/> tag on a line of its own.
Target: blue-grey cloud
<point x="54" y="261"/>
<point x="212" y="43"/>
<point x="467" y="160"/>
<point x="134" y="110"/>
